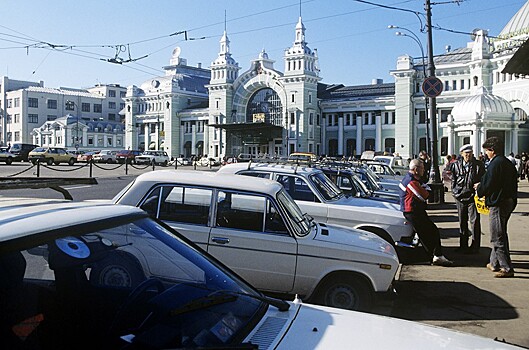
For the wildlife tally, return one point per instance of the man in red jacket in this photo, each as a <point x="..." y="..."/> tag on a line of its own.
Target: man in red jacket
<point x="413" y="196"/>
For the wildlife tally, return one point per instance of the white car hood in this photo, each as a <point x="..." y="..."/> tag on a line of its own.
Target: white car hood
<point x="307" y="326"/>
<point x="352" y="237"/>
<point x="362" y="202"/>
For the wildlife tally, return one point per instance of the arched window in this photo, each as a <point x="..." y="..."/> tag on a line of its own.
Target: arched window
<point x="265" y="101"/>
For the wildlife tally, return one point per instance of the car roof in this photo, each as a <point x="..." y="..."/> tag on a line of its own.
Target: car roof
<point x="210" y="178"/>
<point x="269" y="167"/>
<point x="27" y="217"/>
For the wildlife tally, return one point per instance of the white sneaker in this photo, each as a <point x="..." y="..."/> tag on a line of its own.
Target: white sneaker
<point x="441" y="261"/>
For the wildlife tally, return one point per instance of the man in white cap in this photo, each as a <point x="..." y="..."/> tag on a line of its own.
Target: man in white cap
<point x="466" y="172"/>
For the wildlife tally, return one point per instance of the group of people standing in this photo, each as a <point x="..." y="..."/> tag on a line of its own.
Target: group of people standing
<point x="498" y="183"/>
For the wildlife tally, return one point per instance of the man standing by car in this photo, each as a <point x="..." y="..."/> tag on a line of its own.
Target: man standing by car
<point x="499" y="186"/>
<point x="413" y="195"/>
<point x="466" y="172"/>
<point x="425" y="159"/>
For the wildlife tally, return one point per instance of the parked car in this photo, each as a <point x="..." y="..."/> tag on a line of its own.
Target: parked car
<point x="86" y="156"/>
<point x="6" y="156"/>
<point x="21" y="151"/>
<point x="254" y="227"/>
<point x="150" y="157"/>
<point x="305" y="157"/>
<point x="51" y="155"/>
<point x="350" y="183"/>
<point x="95" y="276"/>
<point x="105" y="156"/>
<point x="319" y="197"/>
<point x="127" y="155"/>
<point x="383" y="170"/>
<point x="183" y="161"/>
<point x="205" y="161"/>
<point x="397" y="163"/>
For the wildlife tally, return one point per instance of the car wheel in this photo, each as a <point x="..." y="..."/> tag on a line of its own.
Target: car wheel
<point x="49" y="161"/>
<point x="164" y="163"/>
<point x="117" y="271"/>
<point x="34" y="162"/>
<point x="71" y="161"/>
<point x="9" y="161"/>
<point x="346" y="292"/>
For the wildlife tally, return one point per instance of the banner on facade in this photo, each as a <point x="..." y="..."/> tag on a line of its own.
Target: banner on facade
<point x="258" y="117"/>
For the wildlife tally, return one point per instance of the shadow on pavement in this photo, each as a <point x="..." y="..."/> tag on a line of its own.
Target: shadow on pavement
<point x="448" y="301"/>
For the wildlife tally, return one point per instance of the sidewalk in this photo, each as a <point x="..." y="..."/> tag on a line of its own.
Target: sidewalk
<point x="467" y="297"/>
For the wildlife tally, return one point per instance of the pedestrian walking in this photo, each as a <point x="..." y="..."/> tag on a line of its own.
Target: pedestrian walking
<point x="499" y="186"/>
<point x="413" y="195"/>
<point x="466" y="172"/>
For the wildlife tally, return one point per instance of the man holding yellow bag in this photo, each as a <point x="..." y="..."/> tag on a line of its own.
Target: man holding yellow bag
<point x="499" y="186"/>
<point x="466" y="172"/>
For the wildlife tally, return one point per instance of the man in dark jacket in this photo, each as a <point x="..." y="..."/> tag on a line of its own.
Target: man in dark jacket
<point x="499" y="186"/>
<point x="413" y="196"/>
<point x="466" y="172"/>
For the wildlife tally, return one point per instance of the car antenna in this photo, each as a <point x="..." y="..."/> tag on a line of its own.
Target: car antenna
<point x="249" y="164"/>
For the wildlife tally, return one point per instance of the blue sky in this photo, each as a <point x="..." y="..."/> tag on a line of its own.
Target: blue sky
<point x="66" y="43"/>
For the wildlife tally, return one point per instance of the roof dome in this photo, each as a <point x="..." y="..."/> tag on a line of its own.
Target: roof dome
<point x="518" y="22"/>
<point x="484" y="105"/>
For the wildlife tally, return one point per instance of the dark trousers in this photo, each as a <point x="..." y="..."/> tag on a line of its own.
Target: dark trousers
<point x="500" y="256"/>
<point x="427" y="231"/>
<point x="468" y="213"/>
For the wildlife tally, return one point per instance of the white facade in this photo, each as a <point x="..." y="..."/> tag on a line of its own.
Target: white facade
<point x="27" y="106"/>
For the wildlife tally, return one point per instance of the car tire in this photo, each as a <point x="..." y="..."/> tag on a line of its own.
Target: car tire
<point x="34" y="162"/>
<point x="71" y="161"/>
<point x="9" y="160"/>
<point x="165" y="163"/>
<point x="49" y="161"/>
<point x="346" y="292"/>
<point x="117" y="271"/>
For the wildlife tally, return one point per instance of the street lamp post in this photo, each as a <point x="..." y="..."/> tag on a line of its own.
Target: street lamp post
<point x="415" y="38"/>
<point x="69" y="103"/>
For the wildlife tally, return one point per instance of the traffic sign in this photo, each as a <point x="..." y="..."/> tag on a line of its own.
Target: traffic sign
<point x="432" y="86"/>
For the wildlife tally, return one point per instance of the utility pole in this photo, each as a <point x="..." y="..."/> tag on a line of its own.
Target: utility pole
<point x="436" y="184"/>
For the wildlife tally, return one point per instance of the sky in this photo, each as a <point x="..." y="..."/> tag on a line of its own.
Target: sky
<point x="69" y="43"/>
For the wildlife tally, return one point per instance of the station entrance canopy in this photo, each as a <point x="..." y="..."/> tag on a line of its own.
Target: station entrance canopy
<point x="252" y="133"/>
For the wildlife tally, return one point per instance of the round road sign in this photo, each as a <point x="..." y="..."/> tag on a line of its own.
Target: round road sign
<point x="432" y="86"/>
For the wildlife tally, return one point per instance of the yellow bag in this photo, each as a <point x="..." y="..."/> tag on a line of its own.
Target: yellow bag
<point x="480" y="205"/>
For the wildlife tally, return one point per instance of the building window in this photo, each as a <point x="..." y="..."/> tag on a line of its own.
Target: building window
<point x="10" y="103"/>
<point x="122" y="94"/>
<point x="444" y="146"/>
<point x="111" y="116"/>
<point x="366" y="120"/>
<point x="98" y="108"/>
<point x="70" y="106"/>
<point x="347" y="119"/>
<point x="50" y="117"/>
<point x="8" y="119"/>
<point x="386" y="118"/>
<point x="33" y="102"/>
<point x="447" y="85"/>
<point x="422" y="117"/>
<point x="292" y="118"/>
<point x="17" y="136"/>
<point x="85" y="107"/>
<point x="17" y="101"/>
<point x="389" y="145"/>
<point x="444" y="114"/>
<point x="462" y="84"/>
<point x="293" y="98"/>
<point x="17" y="118"/>
<point x="121" y="106"/>
<point x="33" y="118"/>
<point x="311" y="118"/>
<point x="52" y="104"/>
<point x="111" y="93"/>
<point x="318" y="119"/>
<point x="369" y="144"/>
<point x="454" y="85"/>
<point x="310" y="97"/>
<point x="422" y="144"/>
<point x="111" y="105"/>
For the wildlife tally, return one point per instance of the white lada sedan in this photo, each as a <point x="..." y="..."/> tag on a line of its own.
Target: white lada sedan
<point x="84" y="276"/>
<point x="253" y="226"/>
<point x="319" y="197"/>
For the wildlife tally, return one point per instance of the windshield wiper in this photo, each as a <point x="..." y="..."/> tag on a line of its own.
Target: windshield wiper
<point x="226" y="296"/>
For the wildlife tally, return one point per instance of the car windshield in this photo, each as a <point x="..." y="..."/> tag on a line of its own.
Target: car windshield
<point x="372" y="177"/>
<point x="362" y="188"/>
<point x="123" y="284"/>
<point x="39" y="149"/>
<point x="326" y="187"/>
<point x="299" y="221"/>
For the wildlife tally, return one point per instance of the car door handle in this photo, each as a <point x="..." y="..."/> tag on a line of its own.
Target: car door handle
<point x="220" y="240"/>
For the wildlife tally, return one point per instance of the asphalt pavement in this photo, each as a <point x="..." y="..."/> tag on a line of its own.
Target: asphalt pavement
<point x="467" y="297"/>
